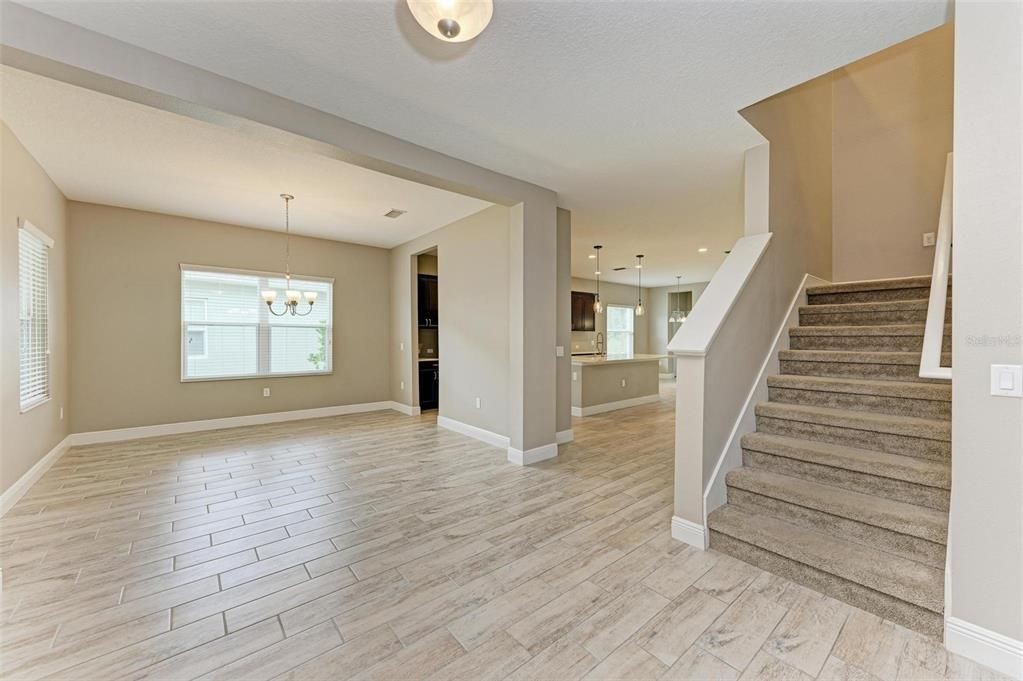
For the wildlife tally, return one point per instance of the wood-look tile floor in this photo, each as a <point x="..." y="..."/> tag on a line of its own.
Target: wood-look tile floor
<point x="377" y="546"/>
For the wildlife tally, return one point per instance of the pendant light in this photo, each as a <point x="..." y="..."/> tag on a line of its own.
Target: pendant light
<point x="291" y="296"/>
<point x="677" y="315"/>
<point x="598" y="306"/>
<point x="453" y="21"/>
<point x="639" y="286"/>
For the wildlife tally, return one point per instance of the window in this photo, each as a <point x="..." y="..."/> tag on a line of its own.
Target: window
<point x="33" y="315"/>
<point x="620" y="333"/>
<point x="228" y="332"/>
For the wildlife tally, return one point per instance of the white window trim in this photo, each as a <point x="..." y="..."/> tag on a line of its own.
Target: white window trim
<point x="632" y="334"/>
<point x="48" y="243"/>
<point x="261" y="327"/>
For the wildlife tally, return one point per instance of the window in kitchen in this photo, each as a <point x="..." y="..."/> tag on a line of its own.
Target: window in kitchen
<point x="620" y="330"/>
<point x="228" y="332"/>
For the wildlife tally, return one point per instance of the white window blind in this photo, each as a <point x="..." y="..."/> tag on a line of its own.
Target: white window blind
<point x="33" y="315"/>
<point x="620" y="330"/>
<point x="228" y="332"/>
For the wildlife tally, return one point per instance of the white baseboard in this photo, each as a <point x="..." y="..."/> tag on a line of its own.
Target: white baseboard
<point x="534" y="455"/>
<point x="613" y="406"/>
<point x="480" y="434"/>
<point x="689" y="532"/>
<point x="119" y="434"/>
<point x="731" y="455"/>
<point x="989" y="648"/>
<point x="563" y="437"/>
<point x="406" y="409"/>
<point x="13" y="493"/>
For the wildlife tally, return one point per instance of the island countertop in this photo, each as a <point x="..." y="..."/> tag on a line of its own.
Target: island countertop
<point x="597" y="360"/>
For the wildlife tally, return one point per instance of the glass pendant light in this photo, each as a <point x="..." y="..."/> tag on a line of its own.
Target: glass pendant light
<point x="639" y="286"/>
<point x="598" y="306"/>
<point x="677" y="316"/>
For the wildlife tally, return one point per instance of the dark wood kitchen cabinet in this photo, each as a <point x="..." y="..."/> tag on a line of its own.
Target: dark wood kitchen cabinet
<point x="429" y="385"/>
<point x="583" y="317"/>
<point x="428" y="300"/>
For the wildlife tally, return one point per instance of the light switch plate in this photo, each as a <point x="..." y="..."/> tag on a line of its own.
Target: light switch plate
<point x="559" y="351"/>
<point x="1007" y="380"/>
<point x="929" y="238"/>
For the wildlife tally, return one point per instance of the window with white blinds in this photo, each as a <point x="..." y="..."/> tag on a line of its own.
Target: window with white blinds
<point x="33" y="315"/>
<point x="227" y="331"/>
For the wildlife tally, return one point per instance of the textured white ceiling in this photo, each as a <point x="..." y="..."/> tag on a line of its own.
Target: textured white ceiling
<point x="102" y="149"/>
<point x="626" y="109"/>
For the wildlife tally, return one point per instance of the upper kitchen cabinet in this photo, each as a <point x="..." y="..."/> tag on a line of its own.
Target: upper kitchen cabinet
<point x="428" y="301"/>
<point x="583" y="317"/>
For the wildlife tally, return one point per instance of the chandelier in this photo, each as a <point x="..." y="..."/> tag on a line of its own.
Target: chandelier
<point x="291" y="296"/>
<point x="677" y="316"/>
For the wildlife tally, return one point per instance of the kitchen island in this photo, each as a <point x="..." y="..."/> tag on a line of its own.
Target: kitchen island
<point x="603" y="383"/>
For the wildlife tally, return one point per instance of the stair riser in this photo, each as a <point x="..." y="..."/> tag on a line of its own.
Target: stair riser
<point x="913" y="293"/>
<point x="883" y="605"/>
<point x="878" y="404"/>
<point x="935" y="450"/>
<point x="864" y="343"/>
<point x="912" y="548"/>
<point x="888" y="488"/>
<point x="872" y="318"/>
<point x="884" y="372"/>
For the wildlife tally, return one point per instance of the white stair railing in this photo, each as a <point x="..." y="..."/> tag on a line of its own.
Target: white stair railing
<point x="934" y="330"/>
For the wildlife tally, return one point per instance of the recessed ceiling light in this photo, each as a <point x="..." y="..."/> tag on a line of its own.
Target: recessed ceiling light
<point x="394" y="213"/>
<point x="702" y="250"/>
<point x="597" y="273"/>
<point x="591" y="256"/>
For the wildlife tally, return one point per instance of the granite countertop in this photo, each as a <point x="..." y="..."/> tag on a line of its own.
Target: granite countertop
<point x="594" y="360"/>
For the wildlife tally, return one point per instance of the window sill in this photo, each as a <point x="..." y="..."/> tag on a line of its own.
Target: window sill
<point x="25" y="408"/>
<point x="249" y="377"/>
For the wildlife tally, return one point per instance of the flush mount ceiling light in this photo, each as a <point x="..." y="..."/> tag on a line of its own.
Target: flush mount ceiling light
<point x="291" y="296"/>
<point x="701" y="250"/>
<point x="453" y="21"/>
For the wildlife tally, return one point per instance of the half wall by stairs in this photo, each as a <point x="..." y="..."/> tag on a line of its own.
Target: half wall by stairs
<point x="845" y="485"/>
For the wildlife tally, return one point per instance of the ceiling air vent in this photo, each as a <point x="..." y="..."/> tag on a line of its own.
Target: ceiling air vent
<point x="394" y="213"/>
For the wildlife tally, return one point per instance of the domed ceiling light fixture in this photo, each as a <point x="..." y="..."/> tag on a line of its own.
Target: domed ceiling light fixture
<point x="453" y="21"/>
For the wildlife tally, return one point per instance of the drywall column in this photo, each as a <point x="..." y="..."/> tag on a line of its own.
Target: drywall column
<point x="532" y="279"/>
<point x="757" y="189"/>
<point x="564" y="323"/>
<point x="983" y="612"/>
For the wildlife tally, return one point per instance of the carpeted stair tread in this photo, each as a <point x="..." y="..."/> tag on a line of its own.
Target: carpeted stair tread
<point x="865" y="330"/>
<point x="910" y="426"/>
<point x="873" y="306"/>
<point x="938" y="392"/>
<point x="923" y="281"/>
<point x="893" y="466"/>
<point x="915" y="521"/>
<point x="852" y="357"/>
<point x="888" y="574"/>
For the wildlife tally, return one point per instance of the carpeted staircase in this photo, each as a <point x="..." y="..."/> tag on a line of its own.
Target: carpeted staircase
<point x="845" y="485"/>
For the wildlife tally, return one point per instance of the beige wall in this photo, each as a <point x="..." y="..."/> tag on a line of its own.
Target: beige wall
<point x="27" y="192"/>
<point x="857" y="161"/>
<point x="594" y="384"/>
<point x="472" y="280"/>
<point x="612" y="294"/>
<point x="658" y="323"/>
<point x="986" y="518"/>
<point x="125" y="306"/>
<point x="892" y="130"/>
<point x="564" y="324"/>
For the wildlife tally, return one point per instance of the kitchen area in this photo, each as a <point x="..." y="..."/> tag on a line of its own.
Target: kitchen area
<point x="607" y="371"/>
<point x="428" y="330"/>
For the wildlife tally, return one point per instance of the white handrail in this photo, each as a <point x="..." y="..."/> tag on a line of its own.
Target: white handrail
<point x="934" y="331"/>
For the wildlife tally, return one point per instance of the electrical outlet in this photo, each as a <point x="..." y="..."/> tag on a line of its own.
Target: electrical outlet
<point x="929" y="238"/>
<point x="575" y="375"/>
<point x="401" y="346"/>
<point x="479" y="403"/>
<point x="623" y="382"/>
<point x="403" y="385"/>
<point x="62" y="413"/>
<point x="266" y="392"/>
